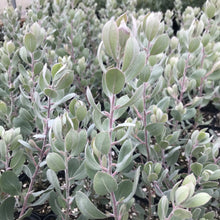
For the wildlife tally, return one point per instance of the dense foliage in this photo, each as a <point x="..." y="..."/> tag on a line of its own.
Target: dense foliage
<point x="110" y="113"/>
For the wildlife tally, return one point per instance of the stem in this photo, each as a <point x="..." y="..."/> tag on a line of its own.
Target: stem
<point x="145" y="123"/>
<point x="67" y="186"/>
<point x="203" y="57"/>
<point x="114" y="202"/>
<point x="149" y="202"/>
<point x="148" y="149"/>
<point x="183" y="86"/>
<point x="190" y="158"/>
<point x="41" y="156"/>
<point x="7" y="158"/>
<point x="158" y="187"/>
<point x="12" y="106"/>
<point x="32" y="77"/>
<point x="111" y="121"/>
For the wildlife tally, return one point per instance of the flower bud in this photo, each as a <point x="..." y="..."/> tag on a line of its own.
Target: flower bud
<point x="174" y="42"/>
<point x="3" y="108"/>
<point x="82" y="64"/>
<point x="157" y="168"/>
<point x="173" y="61"/>
<point x="153" y="118"/>
<point x="151" y="26"/>
<point x="159" y="114"/>
<point x="210" y="9"/>
<point x="180" y="108"/>
<point x="55" y="162"/>
<point x="124" y="33"/>
<point x="10" y="47"/>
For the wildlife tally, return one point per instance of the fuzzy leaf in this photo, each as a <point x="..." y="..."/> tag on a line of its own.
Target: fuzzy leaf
<point x="90" y="160"/>
<point x="102" y="142"/>
<point x="181" y="194"/>
<point x="182" y="214"/>
<point x="50" y="93"/>
<point x="163" y="207"/>
<point x="6" y="209"/>
<point x="137" y="94"/>
<point x="131" y="51"/>
<point x="81" y="144"/>
<point x="115" y="80"/>
<point x="71" y="140"/>
<point x="136" y="178"/>
<point x="155" y="129"/>
<point x="65" y="80"/>
<point x="110" y="37"/>
<point x="56" y="67"/>
<point x="196" y="168"/>
<point x="91" y="101"/>
<point x="30" y="42"/>
<point x="52" y="178"/>
<point x="197" y="200"/>
<point x="124" y="189"/>
<point x="87" y="208"/>
<point x="23" y="54"/>
<point x="10" y="183"/>
<point x="193" y="45"/>
<point x="160" y="44"/>
<point x="103" y="183"/>
<point x="125" y="156"/>
<point x="17" y="160"/>
<point x="55" y="162"/>
<point x="151" y="26"/>
<point x="133" y="61"/>
<point x="215" y="175"/>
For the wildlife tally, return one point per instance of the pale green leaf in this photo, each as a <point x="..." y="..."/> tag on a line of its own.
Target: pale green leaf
<point x="87" y="208"/>
<point x="115" y="80"/>
<point x="104" y="183"/>
<point x="163" y="207"/>
<point x="197" y="200"/>
<point x="55" y="162"/>
<point x="102" y="142"/>
<point x="30" y="42"/>
<point x="110" y="37"/>
<point x="160" y="44"/>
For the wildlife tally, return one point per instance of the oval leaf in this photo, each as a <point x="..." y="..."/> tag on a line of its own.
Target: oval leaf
<point x="193" y="45"/>
<point x="102" y="142"/>
<point x="181" y="194"/>
<point x="90" y="160"/>
<point x="71" y="140"/>
<point x="115" y="80"/>
<point x="52" y="178"/>
<point x="55" y="162"/>
<point x="163" y="207"/>
<point x="9" y="183"/>
<point x="197" y="200"/>
<point x="30" y="42"/>
<point x="160" y="44"/>
<point x="65" y="81"/>
<point x="50" y="93"/>
<point x="87" y="208"/>
<point x="103" y="183"/>
<point x="134" y="188"/>
<point x="131" y="51"/>
<point x="182" y="214"/>
<point x="215" y="175"/>
<point x="110" y="37"/>
<point x="6" y="208"/>
<point x="155" y="129"/>
<point x="124" y="189"/>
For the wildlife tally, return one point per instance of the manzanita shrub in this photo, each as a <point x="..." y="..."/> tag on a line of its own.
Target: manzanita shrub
<point x="111" y="113"/>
